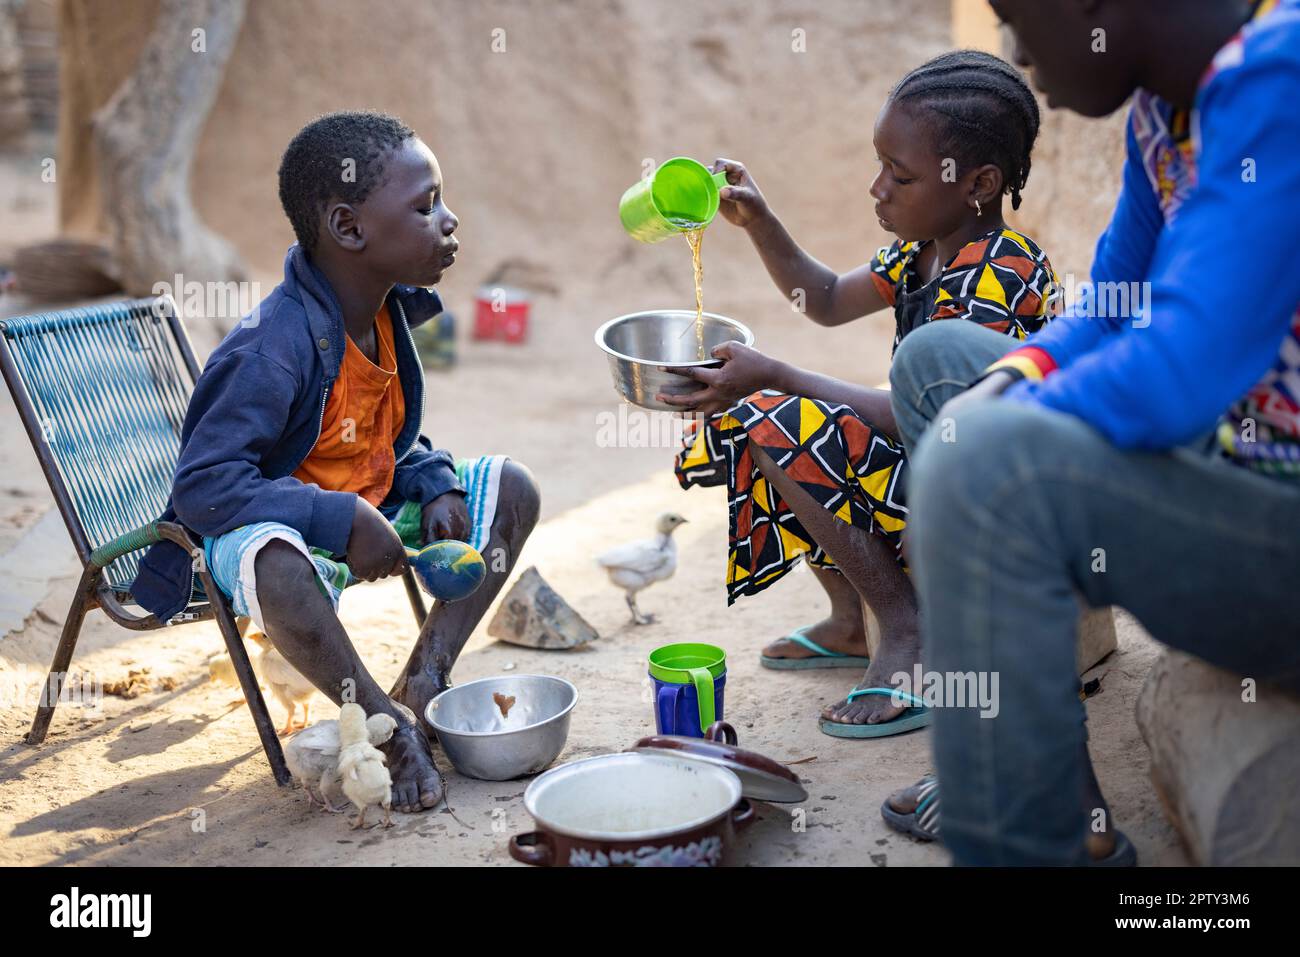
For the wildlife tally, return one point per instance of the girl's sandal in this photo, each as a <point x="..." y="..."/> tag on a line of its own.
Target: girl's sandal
<point x="821" y="657"/>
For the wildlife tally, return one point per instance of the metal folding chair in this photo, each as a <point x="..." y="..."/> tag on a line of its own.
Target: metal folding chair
<point x="102" y="392"/>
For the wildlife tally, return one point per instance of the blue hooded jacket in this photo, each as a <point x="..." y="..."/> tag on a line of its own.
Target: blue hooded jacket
<point x="255" y="415"/>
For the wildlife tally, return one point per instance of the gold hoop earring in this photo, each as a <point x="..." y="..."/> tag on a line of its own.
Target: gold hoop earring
<point x="979" y="210"/>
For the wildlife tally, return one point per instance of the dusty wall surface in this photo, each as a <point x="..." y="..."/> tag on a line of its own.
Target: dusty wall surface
<point x="538" y="140"/>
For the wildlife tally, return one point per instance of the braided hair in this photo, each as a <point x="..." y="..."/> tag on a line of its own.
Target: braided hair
<point x="312" y="169"/>
<point x="982" y="112"/>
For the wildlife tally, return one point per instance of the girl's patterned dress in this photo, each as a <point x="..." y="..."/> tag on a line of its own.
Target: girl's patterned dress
<point x="1002" y="280"/>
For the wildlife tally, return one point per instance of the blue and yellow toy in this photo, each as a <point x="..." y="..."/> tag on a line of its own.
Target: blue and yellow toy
<point x="448" y="570"/>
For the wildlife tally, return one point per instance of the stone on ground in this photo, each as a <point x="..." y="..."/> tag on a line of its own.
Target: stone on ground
<point x="1224" y="761"/>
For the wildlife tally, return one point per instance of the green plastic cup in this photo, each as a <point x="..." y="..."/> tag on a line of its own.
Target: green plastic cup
<point x="690" y="663"/>
<point x="681" y="195"/>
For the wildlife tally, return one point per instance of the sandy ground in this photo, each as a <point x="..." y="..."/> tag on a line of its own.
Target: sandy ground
<point x="178" y="777"/>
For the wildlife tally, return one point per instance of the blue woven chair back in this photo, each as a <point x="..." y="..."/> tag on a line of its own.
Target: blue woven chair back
<point x="109" y="385"/>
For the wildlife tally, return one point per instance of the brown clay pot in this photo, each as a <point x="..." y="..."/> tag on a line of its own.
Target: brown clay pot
<point x="632" y="810"/>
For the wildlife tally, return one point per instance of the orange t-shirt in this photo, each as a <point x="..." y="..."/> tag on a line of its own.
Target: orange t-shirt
<point x="363" y="416"/>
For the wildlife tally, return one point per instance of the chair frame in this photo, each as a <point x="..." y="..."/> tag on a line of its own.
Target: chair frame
<point x="93" y="591"/>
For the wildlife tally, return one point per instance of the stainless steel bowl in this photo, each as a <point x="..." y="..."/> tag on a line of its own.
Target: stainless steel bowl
<point x="483" y="743"/>
<point x="639" y="343"/>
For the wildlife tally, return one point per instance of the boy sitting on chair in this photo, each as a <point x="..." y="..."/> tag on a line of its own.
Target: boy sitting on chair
<point x="301" y="460"/>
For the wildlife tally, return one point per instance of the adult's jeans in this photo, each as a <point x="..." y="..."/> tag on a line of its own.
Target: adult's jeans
<point x="1015" y="512"/>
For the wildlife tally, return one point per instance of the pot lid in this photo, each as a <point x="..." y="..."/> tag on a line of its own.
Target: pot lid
<point x="761" y="777"/>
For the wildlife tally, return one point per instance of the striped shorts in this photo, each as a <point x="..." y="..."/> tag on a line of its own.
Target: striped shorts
<point x="232" y="557"/>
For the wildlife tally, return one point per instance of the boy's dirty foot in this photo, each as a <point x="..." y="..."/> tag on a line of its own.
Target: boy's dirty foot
<point x="897" y="652"/>
<point x="415" y="691"/>
<point x="848" y="637"/>
<point x="417" y="785"/>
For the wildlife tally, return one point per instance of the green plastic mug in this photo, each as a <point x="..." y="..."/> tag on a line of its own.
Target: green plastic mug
<point x="702" y="668"/>
<point x="681" y="195"/>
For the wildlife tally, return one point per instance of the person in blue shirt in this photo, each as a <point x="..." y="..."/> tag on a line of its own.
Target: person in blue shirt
<point x="1143" y="450"/>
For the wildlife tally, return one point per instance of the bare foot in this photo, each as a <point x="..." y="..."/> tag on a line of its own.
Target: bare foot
<point x="417" y="785"/>
<point x="897" y="652"/>
<point x="846" y="636"/>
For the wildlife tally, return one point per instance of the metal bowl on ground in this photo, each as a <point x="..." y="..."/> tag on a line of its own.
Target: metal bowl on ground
<point x="489" y="736"/>
<point x="639" y="343"/>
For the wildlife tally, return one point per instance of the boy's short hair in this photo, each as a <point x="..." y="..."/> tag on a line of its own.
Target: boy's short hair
<point x="337" y="156"/>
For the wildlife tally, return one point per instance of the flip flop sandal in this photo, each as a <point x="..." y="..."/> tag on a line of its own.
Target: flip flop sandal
<point x="822" y="657"/>
<point x="923" y="822"/>
<point x="917" y="716"/>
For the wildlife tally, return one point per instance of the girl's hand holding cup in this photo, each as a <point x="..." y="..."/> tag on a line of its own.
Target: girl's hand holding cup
<point x="740" y="202"/>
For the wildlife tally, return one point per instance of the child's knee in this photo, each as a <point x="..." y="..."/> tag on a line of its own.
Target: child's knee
<point x="920" y="358"/>
<point x="519" y="496"/>
<point x="283" y="570"/>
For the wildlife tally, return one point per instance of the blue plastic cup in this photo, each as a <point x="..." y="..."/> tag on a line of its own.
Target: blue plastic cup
<point x="689" y="680"/>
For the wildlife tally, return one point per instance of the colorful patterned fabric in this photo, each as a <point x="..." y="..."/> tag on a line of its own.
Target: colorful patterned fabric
<point x="1003" y="280"/>
<point x="231" y="557"/>
<point x="846" y="465"/>
<point x="1262" y="429"/>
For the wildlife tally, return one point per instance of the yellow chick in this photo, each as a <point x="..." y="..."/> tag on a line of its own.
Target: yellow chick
<point x="362" y="767"/>
<point x="288" y="686"/>
<point x="221" y="671"/>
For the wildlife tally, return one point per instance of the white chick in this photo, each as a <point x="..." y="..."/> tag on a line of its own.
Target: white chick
<point x="313" y="755"/>
<point x="288" y="686"/>
<point x="639" y="564"/>
<point x="364" y="774"/>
